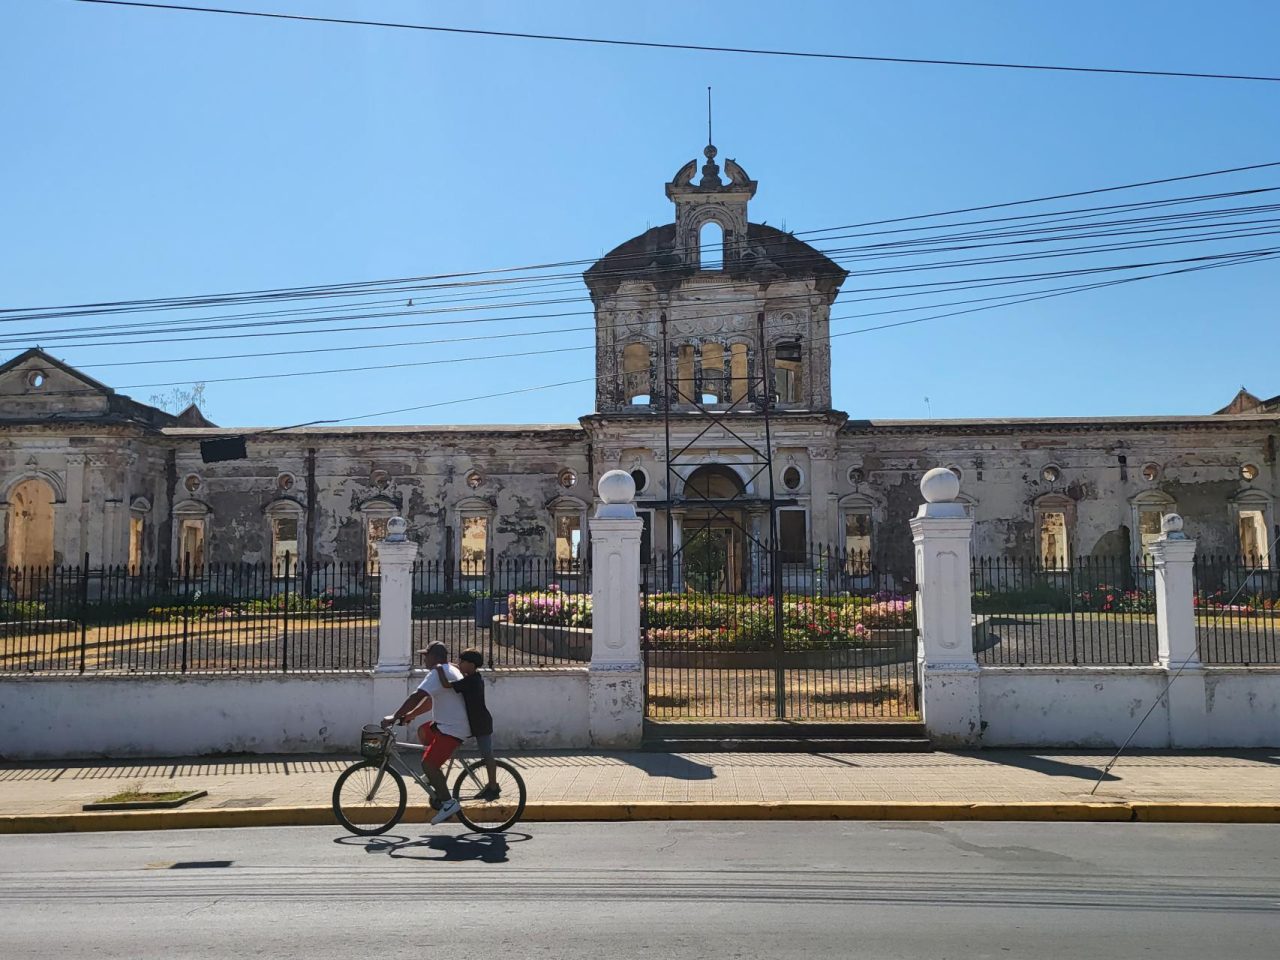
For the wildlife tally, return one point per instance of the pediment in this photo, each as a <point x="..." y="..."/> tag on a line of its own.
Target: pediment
<point x="35" y="385"/>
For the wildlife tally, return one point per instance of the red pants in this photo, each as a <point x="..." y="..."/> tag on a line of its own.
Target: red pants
<point x="439" y="746"/>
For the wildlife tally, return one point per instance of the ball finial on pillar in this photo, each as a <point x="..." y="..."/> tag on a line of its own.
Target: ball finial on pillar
<point x="617" y="495"/>
<point x="940" y="485"/>
<point x="397" y="530"/>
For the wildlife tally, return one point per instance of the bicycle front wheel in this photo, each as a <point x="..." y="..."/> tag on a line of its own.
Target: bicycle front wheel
<point x="481" y="811"/>
<point x="369" y="798"/>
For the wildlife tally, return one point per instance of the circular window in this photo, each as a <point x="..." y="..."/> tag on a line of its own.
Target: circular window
<point x="36" y="379"/>
<point x="285" y="481"/>
<point x="857" y="475"/>
<point x="1050" y="474"/>
<point x="192" y="483"/>
<point x="957" y="471"/>
<point x="1249" y="471"/>
<point x="568" y="478"/>
<point x="791" y="478"/>
<point x="640" y="479"/>
<point x="474" y="479"/>
<point x="1150" y="471"/>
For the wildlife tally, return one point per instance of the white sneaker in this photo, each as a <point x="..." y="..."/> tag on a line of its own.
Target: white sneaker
<point x="448" y="811"/>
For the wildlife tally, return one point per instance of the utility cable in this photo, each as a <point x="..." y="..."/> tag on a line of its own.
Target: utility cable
<point x="704" y="48"/>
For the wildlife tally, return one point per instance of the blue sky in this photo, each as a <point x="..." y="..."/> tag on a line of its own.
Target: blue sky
<point x="153" y="153"/>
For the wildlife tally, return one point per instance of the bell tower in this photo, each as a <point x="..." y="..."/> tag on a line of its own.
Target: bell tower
<point x="711" y="201"/>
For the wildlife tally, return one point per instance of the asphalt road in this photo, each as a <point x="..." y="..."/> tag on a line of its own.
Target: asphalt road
<point x="646" y="890"/>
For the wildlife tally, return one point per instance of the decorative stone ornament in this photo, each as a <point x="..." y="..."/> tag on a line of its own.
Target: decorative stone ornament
<point x="940" y="485"/>
<point x="617" y="492"/>
<point x="397" y="530"/>
<point x="1171" y="527"/>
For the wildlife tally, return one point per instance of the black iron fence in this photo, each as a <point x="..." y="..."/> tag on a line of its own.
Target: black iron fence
<point x="806" y="634"/>
<point x="283" y="616"/>
<point x="1237" y="602"/>
<point x="220" y="618"/>
<point x="518" y="612"/>
<point x="1098" y="610"/>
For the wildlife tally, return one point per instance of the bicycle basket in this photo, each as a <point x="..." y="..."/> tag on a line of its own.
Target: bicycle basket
<point x="374" y="742"/>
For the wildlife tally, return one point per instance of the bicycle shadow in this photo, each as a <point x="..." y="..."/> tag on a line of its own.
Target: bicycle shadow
<point x="459" y="848"/>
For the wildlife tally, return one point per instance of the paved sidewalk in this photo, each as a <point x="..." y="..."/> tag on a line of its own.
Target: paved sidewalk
<point x="995" y="776"/>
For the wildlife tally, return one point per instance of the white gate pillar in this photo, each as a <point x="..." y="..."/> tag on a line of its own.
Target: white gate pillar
<point x="395" y="608"/>
<point x="617" y="672"/>
<point x="1173" y="556"/>
<point x="949" y="672"/>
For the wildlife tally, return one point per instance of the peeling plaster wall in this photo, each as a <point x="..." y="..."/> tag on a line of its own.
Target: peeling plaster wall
<point x="420" y="475"/>
<point x="1199" y="468"/>
<point x="96" y="475"/>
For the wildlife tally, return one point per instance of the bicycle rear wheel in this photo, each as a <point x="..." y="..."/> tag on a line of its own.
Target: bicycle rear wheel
<point x="368" y="798"/>
<point x="489" y="815"/>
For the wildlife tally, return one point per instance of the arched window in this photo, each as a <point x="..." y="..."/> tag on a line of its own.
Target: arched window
<point x="1251" y="511"/>
<point x="856" y="519"/>
<point x="739" y="373"/>
<point x="138" y="511"/>
<point x="1054" y="523"/>
<point x="569" y="515"/>
<point x="191" y="527"/>
<point x="284" y="518"/>
<point x="711" y="246"/>
<point x="684" y="374"/>
<point x="713" y="481"/>
<point x="375" y="513"/>
<point x="712" y="367"/>
<point x="30" y="533"/>
<point x="635" y="373"/>
<point x="787" y="372"/>
<point x="1149" y="507"/>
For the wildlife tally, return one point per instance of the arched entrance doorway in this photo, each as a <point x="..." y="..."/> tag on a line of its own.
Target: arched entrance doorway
<point x="29" y="538"/>
<point x="714" y="541"/>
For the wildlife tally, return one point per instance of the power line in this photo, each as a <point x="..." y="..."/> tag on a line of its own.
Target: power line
<point x="706" y="48"/>
<point x="220" y="333"/>
<point x="493" y="396"/>
<point x="639" y="325"/>
<point x="1040" y="295"/>
<point x="355" y="288"/>
<point x="1234" y="230"/>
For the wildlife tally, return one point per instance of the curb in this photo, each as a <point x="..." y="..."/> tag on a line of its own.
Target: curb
<point x="573" y="812"/>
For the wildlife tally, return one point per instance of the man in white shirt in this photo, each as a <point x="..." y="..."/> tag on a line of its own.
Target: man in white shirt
<point x="447" y="728"/>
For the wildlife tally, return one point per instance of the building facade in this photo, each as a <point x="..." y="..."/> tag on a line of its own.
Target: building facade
<point x="701" y="324"/>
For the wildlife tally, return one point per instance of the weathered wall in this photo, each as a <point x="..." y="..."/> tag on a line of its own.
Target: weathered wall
<point x="1070" y="707"/>
<point x="1001" y="465"/>
<point x="1101" y="706"/>
<point x="420" y="474"/>
<point x="51" y="717"/>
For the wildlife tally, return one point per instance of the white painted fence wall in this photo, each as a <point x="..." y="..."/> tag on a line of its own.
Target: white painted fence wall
<point x="966" y="704"/>
<point x="155" y="716"/>
<point x="172" y="716"/>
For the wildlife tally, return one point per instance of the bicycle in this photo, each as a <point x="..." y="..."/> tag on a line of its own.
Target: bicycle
<point x="369" y="797"/>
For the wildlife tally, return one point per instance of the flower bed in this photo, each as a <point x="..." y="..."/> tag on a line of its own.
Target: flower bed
<point x="727" y="622"/>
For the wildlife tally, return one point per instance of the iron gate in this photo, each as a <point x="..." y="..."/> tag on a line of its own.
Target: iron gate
<point x="840" y="644"/>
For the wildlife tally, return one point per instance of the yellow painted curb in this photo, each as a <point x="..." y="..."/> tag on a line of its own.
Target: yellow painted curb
<point x="822" y="810"/>
<point x="572" y="811"/>
<point x="1147" y="811"/>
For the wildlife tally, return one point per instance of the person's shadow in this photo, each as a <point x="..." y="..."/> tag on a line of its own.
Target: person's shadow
<point x="460" y="848"/>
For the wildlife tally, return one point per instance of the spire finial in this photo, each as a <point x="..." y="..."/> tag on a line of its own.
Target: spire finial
<point x="709" y="141"/>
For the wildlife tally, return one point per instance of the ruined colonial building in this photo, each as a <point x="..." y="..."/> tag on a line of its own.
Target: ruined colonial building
<point x="701" y="324"/>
